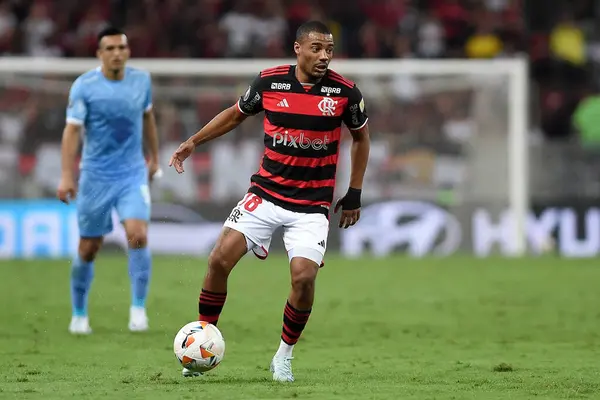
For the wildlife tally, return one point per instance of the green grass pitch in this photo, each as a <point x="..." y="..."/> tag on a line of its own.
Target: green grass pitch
<point x="395" y="328"/>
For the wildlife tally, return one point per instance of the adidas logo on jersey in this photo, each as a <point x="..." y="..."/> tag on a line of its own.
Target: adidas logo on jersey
<point x="322" y="243"/>
<point x="283" y="103"/>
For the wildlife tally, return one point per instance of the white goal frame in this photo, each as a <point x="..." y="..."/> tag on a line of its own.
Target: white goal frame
<point x="515" y="69"/>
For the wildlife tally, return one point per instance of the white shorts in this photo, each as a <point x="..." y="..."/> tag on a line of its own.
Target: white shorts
<point x="304" y="234"/>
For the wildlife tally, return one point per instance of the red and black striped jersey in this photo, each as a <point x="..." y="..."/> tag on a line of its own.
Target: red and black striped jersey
<point x="302" y="127"/>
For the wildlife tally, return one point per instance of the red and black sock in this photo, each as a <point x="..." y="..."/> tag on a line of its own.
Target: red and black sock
<point x="210" y="305"/>
<point x="294" y="321"/>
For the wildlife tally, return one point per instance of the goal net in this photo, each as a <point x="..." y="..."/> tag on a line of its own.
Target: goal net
<point x="448" y="137"/>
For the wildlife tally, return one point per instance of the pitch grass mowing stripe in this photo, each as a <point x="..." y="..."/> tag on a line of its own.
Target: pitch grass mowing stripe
<point x="454" y="328"/>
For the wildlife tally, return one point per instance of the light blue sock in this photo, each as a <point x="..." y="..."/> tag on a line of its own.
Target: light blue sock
<point x="82" y="274"/>
<point x="140" y="266"/>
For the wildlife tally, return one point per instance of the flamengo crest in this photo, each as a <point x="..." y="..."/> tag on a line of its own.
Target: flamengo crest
<point x="327" y="106"/>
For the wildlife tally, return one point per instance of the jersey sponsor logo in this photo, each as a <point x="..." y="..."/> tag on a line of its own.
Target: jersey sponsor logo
<point x="300" y="141"/>
<point x="281" y="86"/>
<point x="327" y="106"/>
<point x="329" y="90"/>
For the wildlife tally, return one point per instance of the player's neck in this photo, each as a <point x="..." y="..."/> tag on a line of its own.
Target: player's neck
<point x="304" y="78"/>
<point x="113" y="74"/>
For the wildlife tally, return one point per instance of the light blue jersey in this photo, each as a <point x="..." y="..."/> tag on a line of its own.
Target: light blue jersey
<point x="114" y="175"/>
<point x="111" y="111"/>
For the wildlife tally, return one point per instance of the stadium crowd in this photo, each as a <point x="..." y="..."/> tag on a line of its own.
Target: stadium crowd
<point x="264" y="28"/>
<point x="556" y="35"/>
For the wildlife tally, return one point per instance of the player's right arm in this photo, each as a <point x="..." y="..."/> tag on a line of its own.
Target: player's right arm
<point x="76" y="115"/>
<point x="226" y="121"/>
<point x="250" y="103"/>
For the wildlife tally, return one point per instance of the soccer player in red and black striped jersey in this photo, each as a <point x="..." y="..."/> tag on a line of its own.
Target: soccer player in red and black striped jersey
<point x="304" y="106"/>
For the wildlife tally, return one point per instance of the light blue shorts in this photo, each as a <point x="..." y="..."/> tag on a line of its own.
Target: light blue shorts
<point x="97" y="198"/>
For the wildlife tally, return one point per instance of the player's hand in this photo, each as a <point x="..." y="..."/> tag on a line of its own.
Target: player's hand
<point x="66" y="189"/>
<point x="184" y="151"/>
<point x="350" y="205"/>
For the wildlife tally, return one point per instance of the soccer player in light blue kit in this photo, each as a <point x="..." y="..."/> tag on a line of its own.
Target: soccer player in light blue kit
<point x="110" y="107"/>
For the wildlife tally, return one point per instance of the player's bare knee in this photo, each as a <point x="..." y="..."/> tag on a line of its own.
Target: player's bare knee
<point x="304" y="274"/>
<point x="88" y="248"/>
<point x="137" y="239"/>
<point x="220" y="262"/>
<point x="303" y="281"/>
<point x="230" y="248"/>
<point x="87" y="255"/>
<point x="137" y="233"/>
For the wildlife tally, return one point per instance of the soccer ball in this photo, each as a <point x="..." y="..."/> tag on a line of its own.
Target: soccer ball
<point x="199" y="346"/>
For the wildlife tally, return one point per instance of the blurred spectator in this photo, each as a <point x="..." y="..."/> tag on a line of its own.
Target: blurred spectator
<point x="485" y="42"/>
<point x="240" y="25"/>
<point x="430" y="37"/>
<point x="39" y="29"/>
<point x="385" y="14"/>
<point x="271" y="29"/>
<point x="557" y="107"/>
<point x="567" y="41"/>
<point x="91" y="24"/>
<point x="8" y="24"/>
<point x="455" y="19"/>
<point x="497" y="5"/>
<point x="369" y="40"/>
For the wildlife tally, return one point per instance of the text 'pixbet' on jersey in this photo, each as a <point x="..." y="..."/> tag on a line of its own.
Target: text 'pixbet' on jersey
<point x="300" y="141"/>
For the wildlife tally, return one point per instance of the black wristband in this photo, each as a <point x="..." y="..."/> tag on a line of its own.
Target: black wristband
<point x="352" y="199"/>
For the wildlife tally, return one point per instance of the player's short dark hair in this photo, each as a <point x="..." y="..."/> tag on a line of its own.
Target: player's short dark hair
<point x="109" y="31"/>
<point x="311" y="26"/>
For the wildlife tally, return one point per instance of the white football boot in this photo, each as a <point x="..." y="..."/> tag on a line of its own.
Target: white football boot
<point x="80" y="326"/>
<point x="281" y="367"/>
<point x="188" y="374"/>
<point x="138" y="320"/>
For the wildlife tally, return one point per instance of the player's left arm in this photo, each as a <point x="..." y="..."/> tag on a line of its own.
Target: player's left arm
<point x="361" y="146"/>
<point x="150" y="132"/>
<point x="356" y="119"/>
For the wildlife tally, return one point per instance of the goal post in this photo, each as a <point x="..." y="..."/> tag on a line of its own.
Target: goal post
<point x="484" y="78"/>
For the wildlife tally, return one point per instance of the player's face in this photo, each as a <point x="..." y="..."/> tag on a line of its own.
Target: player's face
<point x="114" y="52"/>
<point x="314" y="54"/>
